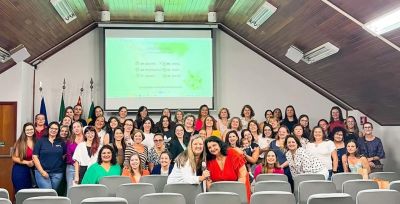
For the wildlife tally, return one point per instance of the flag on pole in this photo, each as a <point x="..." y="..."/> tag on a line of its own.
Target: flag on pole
<point x="62" y="109"/>
<point x="91" y="113"/>
<point x="43" y="111"/>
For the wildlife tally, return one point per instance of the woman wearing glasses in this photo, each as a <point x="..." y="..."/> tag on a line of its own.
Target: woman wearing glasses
<point x="371" y="147"/>
<point x="155" y="152"/>
<point x="48" y="156"/>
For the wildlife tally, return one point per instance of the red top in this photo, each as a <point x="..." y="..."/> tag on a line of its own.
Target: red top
<point x="198" y="125"/>
<point x="334" y="124"/>
<point x="29" y="153"/>
<point x="234" y="161"/>
<point x="39" y="134"/>
<point x="258" y="170"/>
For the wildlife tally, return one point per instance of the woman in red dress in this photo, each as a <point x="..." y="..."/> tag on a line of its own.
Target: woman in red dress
<point x="225" y="164"/>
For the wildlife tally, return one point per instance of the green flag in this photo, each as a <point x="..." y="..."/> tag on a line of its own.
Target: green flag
<point x="91" y="113"/>
<point x="62" y="109"/>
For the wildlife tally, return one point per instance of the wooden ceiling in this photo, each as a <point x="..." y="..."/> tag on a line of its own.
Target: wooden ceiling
<point x="364" y="74"/>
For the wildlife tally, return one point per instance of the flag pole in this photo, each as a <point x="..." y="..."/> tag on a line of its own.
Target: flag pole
<point x="91" y="89"/>
<point x="41" y="89"/>
<point x="63" y="87"/>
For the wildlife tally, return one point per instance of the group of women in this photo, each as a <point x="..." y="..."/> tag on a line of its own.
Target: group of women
<point x="190" y="150"/>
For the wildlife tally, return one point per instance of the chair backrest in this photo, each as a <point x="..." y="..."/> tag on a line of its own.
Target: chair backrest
<point x="330" y="198"/>
<point x="340" y="178"/>
<point x="308" y="188"/>
<point x="230" y="186"/>
<point x="24" y="194"/>
<point x="276" y="197"/>
<point x="272" y="186"/>
<point x="388" y="176"/>
<point x="189" y="191"/>
<point x="304" y="177"/>
<point x="217" y="198"/>
<point x="164" y="198"/>
<point x="352" y="187"/>
<point x="5" y="201"/>
<point x="133" y="191"/>
<point x="373" y="196"/>
<point x="47" y="200"/>
<point x="395" y="185"/>
<point x="4" y="193"/>
<point x="271" y="177"/>
<point x="158" y="181"/>
<point x="80" y="192"/>
<point x="104" y="200"/>
<point x="113" y="182"/>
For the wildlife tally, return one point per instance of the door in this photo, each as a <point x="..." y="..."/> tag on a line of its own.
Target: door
<point x="8" y="131"/>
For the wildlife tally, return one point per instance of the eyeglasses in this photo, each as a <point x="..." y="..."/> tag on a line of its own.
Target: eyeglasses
<point x="53" y="128"/>
<point x="158" y="140"/>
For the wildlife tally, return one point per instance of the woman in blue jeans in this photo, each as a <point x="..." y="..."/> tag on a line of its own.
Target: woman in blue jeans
<point x="48" y="156"/>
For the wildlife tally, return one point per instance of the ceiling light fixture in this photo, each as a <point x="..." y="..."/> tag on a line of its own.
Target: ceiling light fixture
<point x="4" y="55"/>
<point x="64" y="10"/>
<point x="320" y="53"/>
<point x="261" y="15"/>
<point x="385" y="23"/>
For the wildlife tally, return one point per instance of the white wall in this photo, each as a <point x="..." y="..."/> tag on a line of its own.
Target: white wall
<point x="239" y="72"/>
<point x="16" y="86"/>
<point x="77" y="63"/>
<point x="244" y="77"/>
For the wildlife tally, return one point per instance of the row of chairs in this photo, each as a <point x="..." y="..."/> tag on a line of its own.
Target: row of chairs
<point x="132" y="192"/>
<point x="371" y="196"/>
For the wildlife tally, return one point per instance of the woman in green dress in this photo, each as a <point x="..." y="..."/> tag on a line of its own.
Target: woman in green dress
<point x="106" y="166"/>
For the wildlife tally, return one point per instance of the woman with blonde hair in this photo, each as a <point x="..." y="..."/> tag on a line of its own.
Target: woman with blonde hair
<point x="135" y="170"/>
<point x="188" y="164"/>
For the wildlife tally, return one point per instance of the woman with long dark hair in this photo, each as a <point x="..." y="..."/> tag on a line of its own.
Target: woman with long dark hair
<point x="225" y="164"/>
<point x="290" y="118"/>
<point x="203" y="113"/>
<point x="86" y="153"/>
<point x="336" y="118"/>
<point x="352" y="161"/>
<point x="119" y="145"/>
<point x="22" y="158"/>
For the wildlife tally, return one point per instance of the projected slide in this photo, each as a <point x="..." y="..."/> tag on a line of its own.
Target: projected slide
<point x="158" y="70"/>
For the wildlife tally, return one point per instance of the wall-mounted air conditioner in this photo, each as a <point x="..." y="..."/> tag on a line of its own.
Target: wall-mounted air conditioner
<point x="320" y="53"/>
<point x="261" y="15"/>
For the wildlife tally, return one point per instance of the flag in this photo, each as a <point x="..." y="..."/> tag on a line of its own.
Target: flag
<point x="79" y="101"/>
<point x="62" y="109"/>
<point x="43" y="111"/>
<point x="91" y="113"/>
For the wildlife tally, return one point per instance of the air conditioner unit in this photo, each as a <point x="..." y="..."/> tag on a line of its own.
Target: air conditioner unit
<point x="261" y="15"/>
<point x="320" y="53"/>
<point x="64" y="10"/>
<point x="4" y="55"/>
